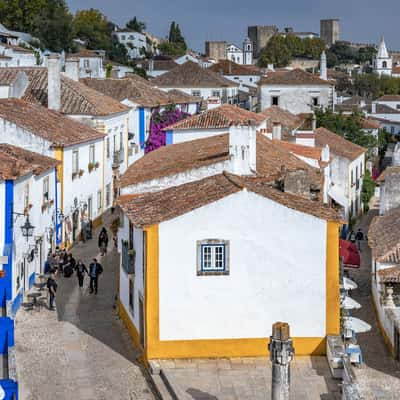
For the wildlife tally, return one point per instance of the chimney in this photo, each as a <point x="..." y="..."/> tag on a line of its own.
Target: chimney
<point x="323" y="70"/>
<point x="72" y="68"/>
<point x="297" y="182"/>
<point x="373" y="108"/>
<point x="151" y="65"/>
<point x="276" y="131"/>
<point x="270" y="67"/>
<point x="242" y="148"/>
<point x="54" y="82"/>
<point x="325" y="154"/>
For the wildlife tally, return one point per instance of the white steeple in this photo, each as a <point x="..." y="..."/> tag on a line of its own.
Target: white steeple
<point x="247" y="52"/>
<point x="382" y="50"/>
<point x="383" y="63"/>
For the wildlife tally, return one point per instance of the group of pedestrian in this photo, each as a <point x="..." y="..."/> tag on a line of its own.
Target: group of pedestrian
<point x="64" y="264"/>
<point x="357" y="237"/>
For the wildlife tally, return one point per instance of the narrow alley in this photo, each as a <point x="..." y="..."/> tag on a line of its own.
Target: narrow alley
<point x="81" y="351"/>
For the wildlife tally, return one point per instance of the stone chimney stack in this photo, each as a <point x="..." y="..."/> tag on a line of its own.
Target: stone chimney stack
<point x="242" y="148"/>
<point x="276" y="131"/>
<point x="297" y="182"/>
<point x="72" y="68"/>
<point x="54" y="82"/>
<point x="323" y="68"/>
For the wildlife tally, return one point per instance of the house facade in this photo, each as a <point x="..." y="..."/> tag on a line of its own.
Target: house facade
<point x="28" y="196"/>
<point x="134" y="42"/>
<point x="90" y="63"/>
<point x="16" y="56"/>
<point x="214" y="259"/>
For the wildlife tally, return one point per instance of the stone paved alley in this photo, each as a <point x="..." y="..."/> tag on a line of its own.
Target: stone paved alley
<point x="82" y="351"/>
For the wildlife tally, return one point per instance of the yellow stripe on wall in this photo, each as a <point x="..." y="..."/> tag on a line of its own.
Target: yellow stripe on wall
<point x="332" y="279"/>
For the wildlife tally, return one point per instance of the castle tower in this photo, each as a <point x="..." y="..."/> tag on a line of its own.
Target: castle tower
<point x="383" y="62"/>
<point x="247" y="52"/>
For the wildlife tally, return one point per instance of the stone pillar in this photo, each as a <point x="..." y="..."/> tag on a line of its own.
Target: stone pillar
<point x="389" y="302"/>
<point x="54" y="82"/>
<point x="281" y="354"/>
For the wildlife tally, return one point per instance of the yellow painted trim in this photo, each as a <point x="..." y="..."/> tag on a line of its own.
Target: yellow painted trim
<point x="59" y="156"/>
<point x="382" y="329"/>
<point x="155" y="348"/>
<point x="332" y="279"/>
<point x="133" y="333"/>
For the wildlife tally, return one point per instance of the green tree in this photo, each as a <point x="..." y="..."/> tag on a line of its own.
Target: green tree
<point x="276" y="52"/>
<point x="93" y="27"/>
<point x="53" y="26"/>
<point x="313" y="48"/>
<point x="365" y="54"/>
<point x="368" y="189"/>
<point x="136" y="25"/>
<point x="118" y="53"/>
<point x="176" y="45"/>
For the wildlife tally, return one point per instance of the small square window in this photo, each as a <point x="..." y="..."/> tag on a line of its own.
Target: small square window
<point x="275" y="100"/>
<point x="315" y="101"/>
<point x="213" y="257"/>
<point x="196" y="93"/>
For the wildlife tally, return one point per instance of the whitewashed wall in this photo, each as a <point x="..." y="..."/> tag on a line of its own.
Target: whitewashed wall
<point x="248" y="80"/>
<point x="91" y="67"/>
<point x="296" y="99"/>
<point x="267" y="283"/>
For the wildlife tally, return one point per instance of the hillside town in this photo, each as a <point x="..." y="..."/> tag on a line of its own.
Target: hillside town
<point x="214" y="224"/>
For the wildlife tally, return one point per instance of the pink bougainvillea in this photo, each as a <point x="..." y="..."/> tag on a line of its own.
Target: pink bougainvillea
<point x="159" y="121"/>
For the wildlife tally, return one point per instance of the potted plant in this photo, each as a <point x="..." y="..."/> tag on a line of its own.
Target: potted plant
<point x="44" y="207"/>
<point x="97" y="165"/>
<point x="91" y="167"/>
<point x="74" y="175"/>
<point x="81" y="171"/>
<point x="51" y="202"/>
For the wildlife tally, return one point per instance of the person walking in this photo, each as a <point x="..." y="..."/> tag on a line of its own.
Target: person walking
<point x="80" y="272"/>
<point x="359" y="238"/>
<point x="52" y="287"/>
<point x="103" y="241"/>
<point x="95" y="270"/>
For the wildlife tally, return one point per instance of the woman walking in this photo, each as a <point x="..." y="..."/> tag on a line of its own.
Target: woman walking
<point x="103" y="241"/>
<point x="80" y="272"/>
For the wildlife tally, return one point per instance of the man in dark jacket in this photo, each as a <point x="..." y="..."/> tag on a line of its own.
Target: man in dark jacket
<point x="95" y="269"/>
<point x="52" y="286"/>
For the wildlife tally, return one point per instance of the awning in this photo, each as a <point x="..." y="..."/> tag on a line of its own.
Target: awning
<point x="336" y="193"/>
<point x="356" y="325"/>
<point x="349" y="253"/>
<point x="348" y="303"/>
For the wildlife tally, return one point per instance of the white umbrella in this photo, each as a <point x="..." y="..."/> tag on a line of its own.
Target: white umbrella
<point x="349" y="304"/>
<point x="2" y="393"/>
<point x="356" y="325"/>
<point x="348" y="284"/>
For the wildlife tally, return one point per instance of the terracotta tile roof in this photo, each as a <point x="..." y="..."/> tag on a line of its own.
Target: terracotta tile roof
<point x="84" y="53"/>
<point x="387" y="172"/>
<point x="389" y="97"/>
<point x="76" y="98"/>
<point x="337" y="144"/>
<point x="156" y="207"/>
<point x="294" y="77"/>
<point x="300" y="150"/>
<point x="160" y="65"/>
<point x="283" y="117"/>
<point x="396" y="70"/>
<point x="219" y="117"/>
<point x="384" y="237"/>
<point x="16" y="162"/>
<point x="191" y="75"/>
<point x="17" y="49"/>
<point x="227" y="67"/>
<point x="51" y="125"/>
<point x="178" y="158"/>
<point x="367" y="123"/>
<point x="381" y="109"/>
<point x="178" y="97"/>
<point x="390" y="275"/>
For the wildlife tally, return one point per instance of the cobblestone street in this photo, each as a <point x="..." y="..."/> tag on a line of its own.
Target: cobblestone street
<point x="380" y="376"/>
<point x="82" y="351"/>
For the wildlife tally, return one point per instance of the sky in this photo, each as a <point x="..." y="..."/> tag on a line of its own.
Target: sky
<point x="202" y="20"/>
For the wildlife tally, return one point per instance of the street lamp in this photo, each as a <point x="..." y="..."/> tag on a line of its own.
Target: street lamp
<point x="27" y="228"/>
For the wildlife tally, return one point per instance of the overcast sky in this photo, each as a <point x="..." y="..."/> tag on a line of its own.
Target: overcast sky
<point x="202" y="20"/>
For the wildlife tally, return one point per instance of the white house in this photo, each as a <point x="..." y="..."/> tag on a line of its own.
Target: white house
<point x="62" y="92"/>
<point x="16" y="56"/>
<point x="383" y="238"/>
<point x="239" y="182"/>
<point x="199" y="82"/>
<point x="157" y="66"/>
<point x="80" y="152"/>
<point x="347" y="169"/>
<point x="239" y="55"/>
<point x="382" y="111"/>
<point x="244" y="75"/>
<point x="296" y="91"/>
<point x="390" y="100"/>
<point x="143" y="99"/>
<point x="211" y="123"/>
<point x="134" y="42"/>
<point x="90" y="63"/>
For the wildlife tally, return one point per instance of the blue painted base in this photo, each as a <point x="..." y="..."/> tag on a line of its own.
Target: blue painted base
<point x="6" y="334"/>
<point x="16" y="303"/>
<point x="11" y="389"/>
<point x="31" y="280"/>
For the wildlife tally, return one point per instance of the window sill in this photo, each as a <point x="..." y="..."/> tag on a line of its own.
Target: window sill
<point x="212" y="273"/>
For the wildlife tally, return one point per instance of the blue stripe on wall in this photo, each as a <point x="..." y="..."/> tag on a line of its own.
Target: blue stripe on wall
<point x="6" y="282"/>
<point x="169" y="137"/>
<point x="142" y="127"/>
<point x="6" y="334"/>
<point x="31" y="280"/>
<point x="16" y="304"/>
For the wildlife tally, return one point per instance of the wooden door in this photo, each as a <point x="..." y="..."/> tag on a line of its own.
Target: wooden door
<point x="141" y="322"/>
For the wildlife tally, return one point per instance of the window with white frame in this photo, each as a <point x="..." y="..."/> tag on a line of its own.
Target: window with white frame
<point x="99" y="200"/>
<point x="216" y="93"/>
<point x="75" y="161"/>
<point x="213" y="257"/>
<point x="92" y="154"/>
<point x="196" y="93"/>
<point x="46" y="184"/>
